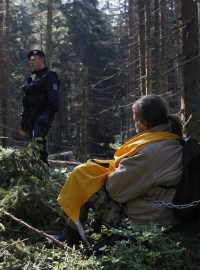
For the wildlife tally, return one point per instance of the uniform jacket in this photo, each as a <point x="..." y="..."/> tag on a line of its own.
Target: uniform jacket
<point x="140" y="177"/>
<point x="40" y="101"/>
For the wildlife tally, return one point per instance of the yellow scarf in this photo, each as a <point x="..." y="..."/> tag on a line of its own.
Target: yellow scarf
<point x="88" y="178"/>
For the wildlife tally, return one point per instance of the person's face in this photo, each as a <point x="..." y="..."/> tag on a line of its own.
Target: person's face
<point x="139" y="126"/>
<point x="36" y="62"/>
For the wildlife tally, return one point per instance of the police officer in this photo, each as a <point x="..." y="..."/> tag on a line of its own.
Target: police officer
<point x="40" y="101"/>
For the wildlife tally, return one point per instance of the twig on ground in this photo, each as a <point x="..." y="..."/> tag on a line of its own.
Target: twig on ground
<point x="41" y="233"/>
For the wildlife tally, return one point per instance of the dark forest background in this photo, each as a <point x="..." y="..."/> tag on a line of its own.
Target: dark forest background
<point x="107" y="54"/>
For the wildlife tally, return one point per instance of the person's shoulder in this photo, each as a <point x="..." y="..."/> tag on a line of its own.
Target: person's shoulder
<point x="53" y="80"/>
<point x="52" y="74"/>
<point x="162" y="145"/>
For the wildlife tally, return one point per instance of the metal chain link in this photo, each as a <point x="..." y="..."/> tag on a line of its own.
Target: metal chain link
<point x="171" y="205"/>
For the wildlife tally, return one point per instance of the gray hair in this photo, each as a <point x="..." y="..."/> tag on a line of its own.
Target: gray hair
<point x="154" y="110"/>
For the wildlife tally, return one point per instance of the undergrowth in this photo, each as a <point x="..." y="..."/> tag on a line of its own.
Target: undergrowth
<point x="29" y="191"/>
<point x="150" y="248"/>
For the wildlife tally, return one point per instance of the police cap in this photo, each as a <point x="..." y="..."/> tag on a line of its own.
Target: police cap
<point x="36" y="52"/>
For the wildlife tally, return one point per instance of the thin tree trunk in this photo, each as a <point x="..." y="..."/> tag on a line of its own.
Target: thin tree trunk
<point x="85" y="109"/>
<point x="131" y="46"/>
<point x="157" y="84"/>
<point x="148" y="48"/>
<point x="142" y="45"/>
<point x="49" y="33"/>
<point x="163" y="46"/>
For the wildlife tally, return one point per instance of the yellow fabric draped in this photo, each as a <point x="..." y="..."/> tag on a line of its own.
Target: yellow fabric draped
<point x="88" y="178"/>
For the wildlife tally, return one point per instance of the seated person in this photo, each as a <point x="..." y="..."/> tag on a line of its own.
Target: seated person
<point x="148" y="166"/>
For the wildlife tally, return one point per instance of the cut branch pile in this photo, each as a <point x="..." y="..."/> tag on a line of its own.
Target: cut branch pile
<point x="29" y="190"/>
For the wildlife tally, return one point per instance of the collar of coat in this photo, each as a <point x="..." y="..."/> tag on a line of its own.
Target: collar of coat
<point x="135" y="144"/>
<point x="41" y="72"/>
<point x="163" y="127"/>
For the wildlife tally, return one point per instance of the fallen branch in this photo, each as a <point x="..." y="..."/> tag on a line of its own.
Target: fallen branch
<point x="41" y="233"/>
<point x="61" y="163"/>
<point x="65" y="156"/>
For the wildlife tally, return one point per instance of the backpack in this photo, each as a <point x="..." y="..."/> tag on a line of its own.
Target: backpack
<point x="187" y="194"/>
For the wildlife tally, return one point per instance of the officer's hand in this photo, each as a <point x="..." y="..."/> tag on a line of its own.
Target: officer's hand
<point x="22" y="133"/>
<point x="28" y="88"/>
<point x="39" y="140"/>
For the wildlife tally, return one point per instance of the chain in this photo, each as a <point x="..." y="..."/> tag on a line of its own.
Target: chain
<point x="171" y="205"/>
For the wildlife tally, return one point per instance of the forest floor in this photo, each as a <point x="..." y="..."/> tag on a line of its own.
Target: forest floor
<point x="28" y="190"/>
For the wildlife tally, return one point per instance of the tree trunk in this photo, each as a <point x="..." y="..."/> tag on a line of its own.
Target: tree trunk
<point x="148" y="48"/>
<point x="5" y="72"/>
<point x="131" y="47"/>
<point x="157" y="83"/>
<point x="198" y="5"/>
<point x="163" y="47"/>
<point x="49" y="33"/>
<point x="85" y="109"/>
<point x="142" y="45"/>
<point x="1" y="66"/>
<point x="56" y="133"/>
<point x="177" y="9"/>
<point x="190" y="68"/>
<point x="133" y="55"/>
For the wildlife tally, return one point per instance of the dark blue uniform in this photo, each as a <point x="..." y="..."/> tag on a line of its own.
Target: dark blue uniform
<point x="40" y="103"/>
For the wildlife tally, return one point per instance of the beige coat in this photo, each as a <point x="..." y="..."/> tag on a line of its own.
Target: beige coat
<point x="139" y="177"/>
